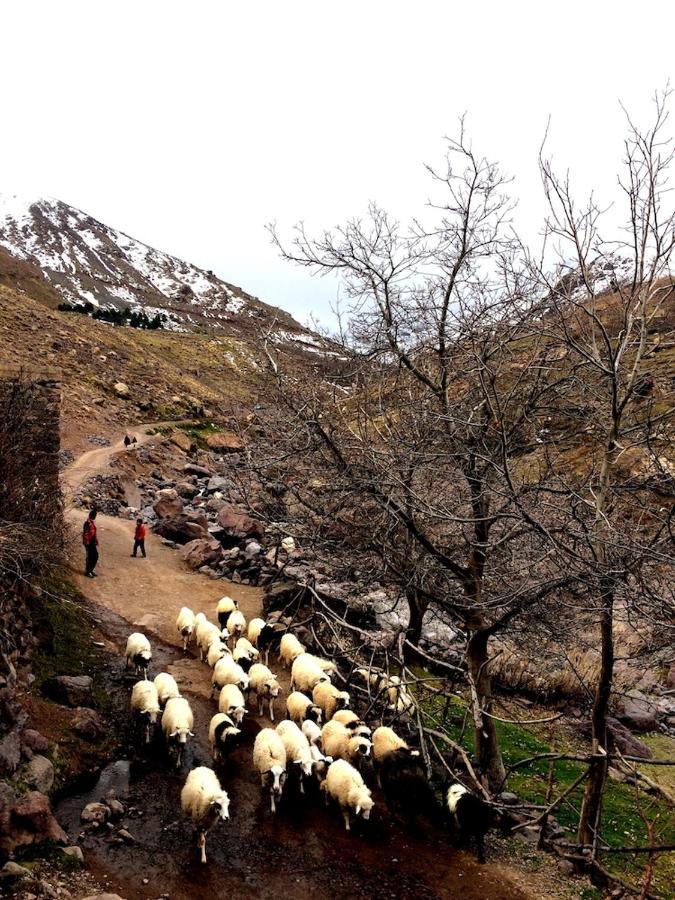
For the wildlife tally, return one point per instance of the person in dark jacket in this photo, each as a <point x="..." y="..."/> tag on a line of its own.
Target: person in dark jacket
<point x="139" y="538"/>
<point x="90" y="541"/>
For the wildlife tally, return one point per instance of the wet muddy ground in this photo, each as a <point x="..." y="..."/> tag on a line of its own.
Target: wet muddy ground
<point x="302" y="850"/>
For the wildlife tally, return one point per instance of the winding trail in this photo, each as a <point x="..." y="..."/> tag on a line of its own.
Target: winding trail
<point x="304" y="850"/>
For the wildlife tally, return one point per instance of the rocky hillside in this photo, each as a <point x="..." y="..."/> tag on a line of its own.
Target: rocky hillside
<point x="76" y="259"/>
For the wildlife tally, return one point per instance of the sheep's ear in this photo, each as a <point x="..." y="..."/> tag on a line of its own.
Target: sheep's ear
<point x="191" y="733"/>
<point x="358" y="809"/>
<point x="329" y="759"/>
<point x="173" y="734"/>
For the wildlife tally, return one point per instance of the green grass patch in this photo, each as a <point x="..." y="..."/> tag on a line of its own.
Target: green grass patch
<point x="622" y="824"/>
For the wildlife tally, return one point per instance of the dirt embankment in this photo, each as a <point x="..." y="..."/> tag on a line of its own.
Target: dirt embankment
<point x="303" y="850"/>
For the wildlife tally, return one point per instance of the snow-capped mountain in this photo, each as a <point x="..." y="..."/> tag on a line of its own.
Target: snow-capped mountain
<point x="87" y="261"/>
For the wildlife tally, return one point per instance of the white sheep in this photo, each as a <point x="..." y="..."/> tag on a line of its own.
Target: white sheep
<point x="145" y="708"/>
<point x="290" y="648"/>
<point x="269" y="758"/>
<point x="338" y="742"/>
<point x="223" y="734"/>
<point x="328" y="666"/>
<point x="139" y="653"/>
<point x="244" y="644"/>
<point x="261" y="635"/>
<point x="390" y="687"/>
<point x="185" y="625"/>
<point x="349" y="718"/>
<point x="226" y="606"/>
<point x="345" y="784"/>
<point x="226" y="671"/>
<point x="297" y="750"/>
<point x="329" y="698"/>
<point x="387" y="743"/>
<point x="217" y="650"/>
<point x="299" y="707"/>
<point x="166" y="687"/>
<point x="306" y="674"/>
<point x="205" y="635"/>
<point x="312" y="732"/>
<point x="231" y="702"/>
<point x="177" y="724"/>
<point x="205" y="802"/>
<point x="263" y="682"/>
<point x="236" y="625"/>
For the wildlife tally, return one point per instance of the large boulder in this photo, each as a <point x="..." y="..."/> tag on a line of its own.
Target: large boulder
<point x="182" y="529"/>
<point x="224" y="442"/>
<point x="182" y="441"/>
<point x="87" y="724"/>
<point x="121" y="389"/>
<point x="70" y="690"/>
<point x="218" y="483"/>
<point x="625" y="742"/>
<point x="186" y="489"/>
<point x="39" y="774"/>
<point x="638" y="712"/>
<point x="31" y="821"/>
<point x="195" y="469"/>
<point x="168" y="504"/>
<point x="203" y="552"/>
<point x="34" y="741"/>
<point x="237" y="523"/>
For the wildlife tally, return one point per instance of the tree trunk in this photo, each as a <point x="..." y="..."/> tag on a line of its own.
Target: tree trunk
<point x="485" y="735"/>
<point x="417" y="607"/>
<point x="590" y="820"/>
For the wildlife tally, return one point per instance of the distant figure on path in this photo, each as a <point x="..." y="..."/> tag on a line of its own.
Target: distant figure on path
<point x="127" y="441"/>
<point x="90" y="541"/>
<point x="139" y="538"/>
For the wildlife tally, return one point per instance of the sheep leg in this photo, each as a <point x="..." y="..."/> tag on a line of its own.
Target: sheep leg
<point x="271" y="705"/>
<point x="201" y="843"/>
<point x="260" y="706"/>
<point x="274" y="809"/>
<point x="345" y="813"/>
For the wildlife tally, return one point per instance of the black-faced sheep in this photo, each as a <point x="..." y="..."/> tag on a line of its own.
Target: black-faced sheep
<point x="345" y="784"/>
<point x="401" y="775"/>
<point x="231" y="702"/>
<point x="205" y="802"/>
<point x="340" y="743"/>
<point x="138" y="653"/>
<point x="263" y="637"/>
<point x="351" y="721"/>
<point x="223" y="736"/>
<point x="300" y="708"/>
<point x="269" y="758"/>
<point x="185" y="625"/>
<point x="470" y="816"/>
<point x="217" y="650"/>
<point x="177" y="725"/>
<point x="329" y="699"/>
<point x="145" y="708"/>
<point x="166" y="687"/>
<point x="226" y="606"/>
<point x="263" y="682"/>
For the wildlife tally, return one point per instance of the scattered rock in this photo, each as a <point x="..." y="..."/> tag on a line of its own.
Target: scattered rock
<point x="224" y="442"/>
<point x="35" y="741"/>
<point x="238" y="524"/>
<point x="182" y="441"/>
<point x="116" y="808"/>
<point x="566" y="868"/>
<point x="75" y="852"/>
<point x="202" y="552"/>
<point x="14" y="870"/>
<point x="182" y="529"/>
<point x="31" y="821"/>
<point x="39" y="774"/>
<point x="121" y="389"/>
<point x="194" y="469"/>
<point x="71" y="690"/>
<point x="10" y="753"/>
<point x="87" y="724"/>
<point x="168" y="507"/>
<point x="626" y="742"/>
<point x="186" y="489"/>
<point x="104" y="897"/>
<point x="218" y="483"/>
<point x="508" y="798"/>
<point x="126" y="836"/>
<point x="7" y="798"/>
<point x="95" y="812"/>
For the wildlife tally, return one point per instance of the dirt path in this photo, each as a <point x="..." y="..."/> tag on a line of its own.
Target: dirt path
<point x="303" y="850"/>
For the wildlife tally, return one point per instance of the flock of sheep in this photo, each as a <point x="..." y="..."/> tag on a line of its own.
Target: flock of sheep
<point x="300" y="749"/>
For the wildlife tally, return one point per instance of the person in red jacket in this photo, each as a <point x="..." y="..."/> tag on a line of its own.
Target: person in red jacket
<point x="139" y="538"/>
<point x="90" y="541"/>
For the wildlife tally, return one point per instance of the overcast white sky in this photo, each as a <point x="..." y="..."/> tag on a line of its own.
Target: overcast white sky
<point x="190" y="125"/>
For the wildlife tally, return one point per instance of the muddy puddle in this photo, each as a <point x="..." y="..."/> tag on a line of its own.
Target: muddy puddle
<point x="302" y="851"/>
